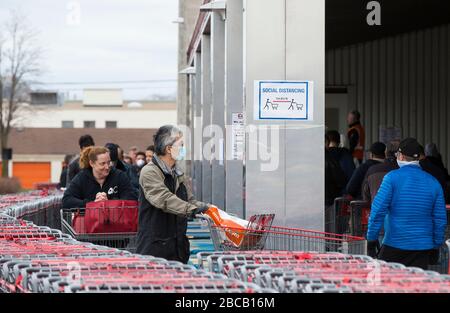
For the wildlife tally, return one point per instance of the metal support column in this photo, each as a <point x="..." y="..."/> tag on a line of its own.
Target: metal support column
<point x="206" y="96"/>
<point x="217" y="108"/>
<point x="234" y="104"/>
<point x="196" y="133"/>
<point x="285" y="40"/>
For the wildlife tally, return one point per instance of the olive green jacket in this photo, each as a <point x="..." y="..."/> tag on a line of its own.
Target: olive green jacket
<point x="156" y="192"/>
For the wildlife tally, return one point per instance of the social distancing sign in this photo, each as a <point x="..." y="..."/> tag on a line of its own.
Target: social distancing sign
<point x="284" y="100"/>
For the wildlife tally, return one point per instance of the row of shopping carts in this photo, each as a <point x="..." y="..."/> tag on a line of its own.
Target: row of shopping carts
<point x="39" y="206"/>
<point x="43" y="207"/>
<point x="316" y="272"/>
<point x="40" y="259"/>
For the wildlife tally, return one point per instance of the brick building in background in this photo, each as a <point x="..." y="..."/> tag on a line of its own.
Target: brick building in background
<point x="46" y="132"/>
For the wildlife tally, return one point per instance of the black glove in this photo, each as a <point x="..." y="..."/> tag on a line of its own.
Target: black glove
<point x="373" y="247"/>
<point x="200" y="210"/>
<point x="434" y="256"/>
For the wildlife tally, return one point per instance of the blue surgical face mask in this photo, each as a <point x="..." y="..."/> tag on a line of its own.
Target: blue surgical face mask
<point x="181" y="154"/>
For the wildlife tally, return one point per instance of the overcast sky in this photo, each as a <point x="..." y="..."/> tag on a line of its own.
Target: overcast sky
<point x="109" y="40"/>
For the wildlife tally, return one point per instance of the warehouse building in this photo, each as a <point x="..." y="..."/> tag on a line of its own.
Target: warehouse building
<point x="387" y="59"/>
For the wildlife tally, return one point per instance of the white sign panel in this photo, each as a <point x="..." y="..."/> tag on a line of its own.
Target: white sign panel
<point x="284" y="100"/>
<point x="238" y="136"/>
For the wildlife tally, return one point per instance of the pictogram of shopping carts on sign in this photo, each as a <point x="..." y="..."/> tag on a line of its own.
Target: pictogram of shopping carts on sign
<point x="275" y="104"/>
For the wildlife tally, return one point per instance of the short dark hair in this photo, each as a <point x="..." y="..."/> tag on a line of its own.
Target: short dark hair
<point x="334" y="136"/>
<point x="356" y="114"/>
<point x="392" y="148"/>
<point x="150" y="148"/>
<point x="113" y="151"/>
<point x="378" y="150"/>
<point x="86" y="141"/>
<point x="141" y="153"/>
<point x="68" y="158"/>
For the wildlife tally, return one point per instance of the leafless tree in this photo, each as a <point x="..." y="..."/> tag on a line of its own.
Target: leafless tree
<point x="20" y="62"/>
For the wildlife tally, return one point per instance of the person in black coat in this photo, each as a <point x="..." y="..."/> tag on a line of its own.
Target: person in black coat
<point x="74" y="165"/>
<point x="334" y="179"/>
<point x="63" y="178"/>
<point x="431" y="165"/>
<point x="376" y="173"/>
<point x="341" y="155"/>
<point x="122" y="166"/>
<point x="97" y="181"/>
<point x="433" y="156"/>
<point x="377" y="156"/>
<point x="334" y="176"/>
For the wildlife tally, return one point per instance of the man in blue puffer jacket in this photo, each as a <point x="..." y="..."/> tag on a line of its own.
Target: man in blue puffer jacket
<point x="411" y="204"/>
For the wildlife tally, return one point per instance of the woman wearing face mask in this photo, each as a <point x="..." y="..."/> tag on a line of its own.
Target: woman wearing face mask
<point x="97" y="181"/>
<point x="140" y="161"/>
<point x="165" y="202"/>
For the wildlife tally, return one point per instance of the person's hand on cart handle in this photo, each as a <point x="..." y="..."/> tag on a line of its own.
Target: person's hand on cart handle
<point x="101" y="196"/>
<point x="203" y="209"/>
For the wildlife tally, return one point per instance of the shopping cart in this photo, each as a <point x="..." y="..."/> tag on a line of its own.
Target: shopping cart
<point x="268" y="237"/>
<point x="448" y="249"/>
<point x="254" y="236"/>
<point x="360" y="213"/>
<point x="40" y="208"/>
<point x="337" y="217"/>
<point x="442" y="265"/>
<point x="113" y="223"/>
<point x="46" y="186"/>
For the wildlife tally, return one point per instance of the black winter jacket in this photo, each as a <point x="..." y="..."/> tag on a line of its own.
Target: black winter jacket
<point x="355" y="185"/>
<point x="131" y="173"/>
<point x="334" y="179"/>
<point x="438" y="172"/>
<point x="374" y="177"/>
<point x="84" y="188"/>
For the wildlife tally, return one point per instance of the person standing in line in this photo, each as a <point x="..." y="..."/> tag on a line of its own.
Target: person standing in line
<point x="410" y="204"/>
<point x="73" y="169"/>
<point x="377" y="155"/>
<point x="165" y="201"/>
<point x="356" y="136"/>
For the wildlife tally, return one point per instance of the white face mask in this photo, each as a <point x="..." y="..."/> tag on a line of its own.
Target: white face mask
<point x="140" y="163"/>
<point x="403" y="163"/>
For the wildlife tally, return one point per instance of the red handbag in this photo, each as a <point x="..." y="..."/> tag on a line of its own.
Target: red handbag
<point x="110" y="216"/>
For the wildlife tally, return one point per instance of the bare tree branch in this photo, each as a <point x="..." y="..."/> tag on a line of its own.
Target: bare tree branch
<point x="20" y="58"/>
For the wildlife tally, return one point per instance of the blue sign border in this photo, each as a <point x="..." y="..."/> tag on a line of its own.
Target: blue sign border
<point x="283" y="82"/>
